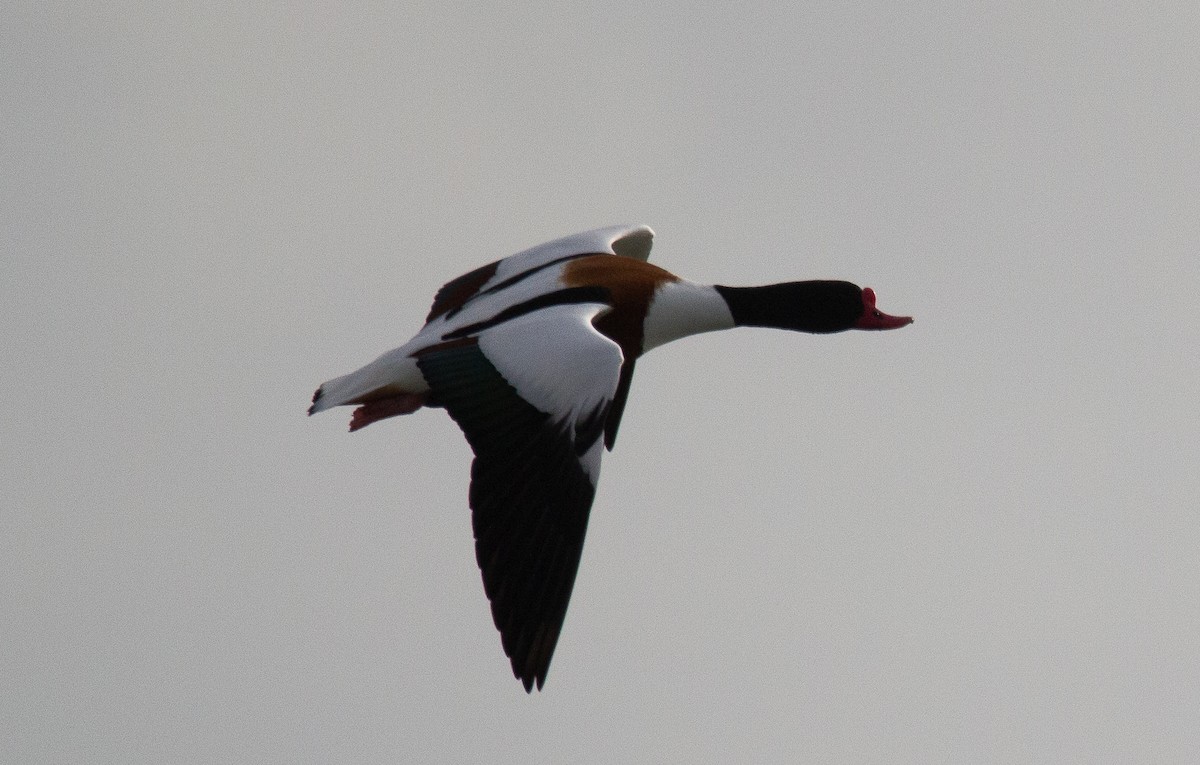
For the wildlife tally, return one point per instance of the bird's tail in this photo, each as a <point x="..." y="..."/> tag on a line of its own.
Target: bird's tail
<point x="393" y="373"/>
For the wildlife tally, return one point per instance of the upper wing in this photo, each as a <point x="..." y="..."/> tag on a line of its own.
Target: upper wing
<point x="531" y="396"/>
<point x="627" y="241"/>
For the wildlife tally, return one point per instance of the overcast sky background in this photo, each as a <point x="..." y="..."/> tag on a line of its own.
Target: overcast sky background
<point x="973" y="540"/>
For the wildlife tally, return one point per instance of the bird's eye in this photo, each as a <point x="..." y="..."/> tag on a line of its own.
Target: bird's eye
<point x="877" y="313"/>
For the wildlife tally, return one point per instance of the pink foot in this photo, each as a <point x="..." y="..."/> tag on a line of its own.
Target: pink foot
<point x="382" y="408"/>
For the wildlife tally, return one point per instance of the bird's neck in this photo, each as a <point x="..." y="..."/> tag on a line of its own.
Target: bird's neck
<point x="682" y="308"/>
<point x="809" y="306"/>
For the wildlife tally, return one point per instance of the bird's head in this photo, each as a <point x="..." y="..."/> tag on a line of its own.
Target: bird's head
<point x="812" y="306"/>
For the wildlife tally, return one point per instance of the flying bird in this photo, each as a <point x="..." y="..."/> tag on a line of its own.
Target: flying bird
<point x="532" y="356"/>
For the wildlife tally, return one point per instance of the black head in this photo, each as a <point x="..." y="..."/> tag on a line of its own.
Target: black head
<point x="812" y="306"/>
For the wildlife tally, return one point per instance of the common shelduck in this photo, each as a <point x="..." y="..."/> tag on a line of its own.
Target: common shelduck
<point x="532" y="356"/>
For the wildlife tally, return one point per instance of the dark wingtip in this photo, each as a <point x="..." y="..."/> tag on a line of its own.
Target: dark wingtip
<point x="529" y="681"/>
<point x="315" y="399"/>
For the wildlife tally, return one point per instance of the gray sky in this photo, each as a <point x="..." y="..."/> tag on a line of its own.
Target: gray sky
<point x="973" y="540"/>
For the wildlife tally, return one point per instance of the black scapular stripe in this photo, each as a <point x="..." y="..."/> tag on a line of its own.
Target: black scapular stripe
<point x="565" y="296"/>
<point x="531" y="271"/>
